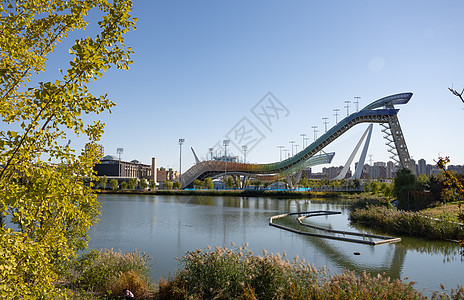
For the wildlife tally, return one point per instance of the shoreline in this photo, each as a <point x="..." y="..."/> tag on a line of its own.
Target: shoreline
<point x="234" y="193"/>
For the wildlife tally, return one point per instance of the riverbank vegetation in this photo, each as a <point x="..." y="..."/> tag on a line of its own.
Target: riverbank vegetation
<point x="407" y="223"/>
<point x="104" y="274"/>
<point x="235" y="273"/>
<point x="427" y="206"/>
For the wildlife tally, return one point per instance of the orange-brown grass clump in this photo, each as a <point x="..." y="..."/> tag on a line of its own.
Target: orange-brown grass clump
<point x="223" y="273"/>
<point x="108" y="272"/>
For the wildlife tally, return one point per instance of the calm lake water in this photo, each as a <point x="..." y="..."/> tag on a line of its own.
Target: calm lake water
<point x="165" y="227"/>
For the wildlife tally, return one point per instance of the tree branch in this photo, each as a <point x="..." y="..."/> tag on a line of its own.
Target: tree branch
<point x="457" y="94"/>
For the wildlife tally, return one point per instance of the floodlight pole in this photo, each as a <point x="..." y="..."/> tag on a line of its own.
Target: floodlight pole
<point x="357" y="102"/>
<point x="211" y="152"/>
<point x="285" y="151"/>
<point x="347" y="106"/>
<point x="336" y="110"/>
<point x="303" y="135"/>
<point x="244" y="149"/>
<point x="292" y="142"/>
<point x="314" y="130"/>
<point x="181" y="142"/>
<point x="119" y="151"/>
<point x="225" y="143"/>
<point x="280" y="147"/>
<point x="325" y="123"/>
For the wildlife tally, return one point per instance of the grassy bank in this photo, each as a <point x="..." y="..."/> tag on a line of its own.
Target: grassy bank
<point x="415" y="224"/>
<point x="448" y="211"/>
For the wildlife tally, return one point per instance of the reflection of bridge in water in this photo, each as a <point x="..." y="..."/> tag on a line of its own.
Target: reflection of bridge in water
<point x="380" y="111"/>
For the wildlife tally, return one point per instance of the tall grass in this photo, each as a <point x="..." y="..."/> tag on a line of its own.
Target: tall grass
<point x="108" y="272"/>
<point x="238" y="274"/>
<point x="406" y="223"/>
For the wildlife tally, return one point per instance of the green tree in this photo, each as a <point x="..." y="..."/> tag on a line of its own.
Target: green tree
<point x="367" y="186"/>
<point x="143" y="184"/>
<point x="168" y="185"/>
<point x="404" y="183"/>
<point x="209" y="183"/>
<point x="423" y="181"/>
<point x="102" y="181"/>
<point x="132" y="183"/>
<point x="247" y="183"/>
<point x="304" y="182"/>
<point x="383" y="187"/>
<point x="375" y="187"/>
<point x="456" y="184"/>
<point x="49" y="206"/>
<point x="152" y="184"/>
<point x="177" y="185"/>
<point x="197" y="183"/>
<point x="114" y="184"/>
<point x="124" y="185"/>
<point x="229" y="182"/>
<point x="237" y="182"/>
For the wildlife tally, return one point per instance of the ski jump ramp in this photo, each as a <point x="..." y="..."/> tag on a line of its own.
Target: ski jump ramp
<point x="381" y="111"/>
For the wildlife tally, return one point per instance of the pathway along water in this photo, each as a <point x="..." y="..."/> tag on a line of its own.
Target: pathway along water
<point x="165" y="227"/>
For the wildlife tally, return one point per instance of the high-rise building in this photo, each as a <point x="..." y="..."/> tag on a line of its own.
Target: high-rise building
<point x="422" y="166"/>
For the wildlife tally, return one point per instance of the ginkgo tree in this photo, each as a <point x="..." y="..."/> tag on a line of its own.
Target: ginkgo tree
<point x="46" y="207"/>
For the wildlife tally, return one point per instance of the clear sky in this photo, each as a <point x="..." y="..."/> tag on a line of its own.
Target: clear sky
<point x="200" y="67"/>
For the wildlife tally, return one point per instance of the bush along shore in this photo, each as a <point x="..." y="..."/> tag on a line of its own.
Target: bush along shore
<point x="382" y="216"/>
<point x="235" y="273"/>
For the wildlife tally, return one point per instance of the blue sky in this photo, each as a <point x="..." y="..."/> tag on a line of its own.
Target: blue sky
<point x="201" y="66"/>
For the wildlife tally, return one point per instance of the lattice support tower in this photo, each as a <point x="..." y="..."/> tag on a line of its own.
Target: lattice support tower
<point x="394" y="135"/>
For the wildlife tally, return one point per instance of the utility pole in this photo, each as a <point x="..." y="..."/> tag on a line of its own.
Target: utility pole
<point x="336" y="110"/>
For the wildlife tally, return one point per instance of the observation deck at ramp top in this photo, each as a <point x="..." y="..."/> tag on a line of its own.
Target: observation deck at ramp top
<point x="379" y="111"/>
